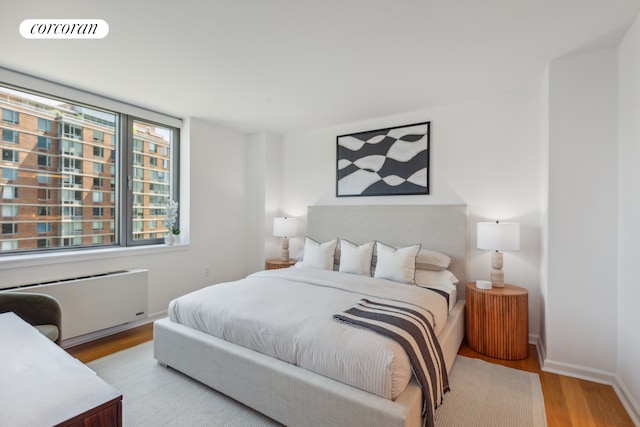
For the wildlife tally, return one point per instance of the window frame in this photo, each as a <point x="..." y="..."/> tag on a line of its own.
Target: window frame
<point x="120" y="184"/>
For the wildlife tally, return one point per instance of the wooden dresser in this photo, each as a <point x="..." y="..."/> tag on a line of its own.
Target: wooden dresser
<point x="43" y="385"/>
<point x="497" y="321"/>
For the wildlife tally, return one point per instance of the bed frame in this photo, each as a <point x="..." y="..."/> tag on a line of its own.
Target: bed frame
<point x="294" y="396"/>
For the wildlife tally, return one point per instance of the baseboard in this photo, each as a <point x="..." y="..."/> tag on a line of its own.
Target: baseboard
<point x="630" y="404"/>
<point x="71" y="342"/>
<point x="593" y="375"/>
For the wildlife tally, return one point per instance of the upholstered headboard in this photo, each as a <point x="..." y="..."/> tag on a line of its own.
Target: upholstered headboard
<point x="441" y="228"/>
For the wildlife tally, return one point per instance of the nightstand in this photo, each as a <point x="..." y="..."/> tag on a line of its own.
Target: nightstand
<point x="497" y="321"/>
<point x="272" y="264"/>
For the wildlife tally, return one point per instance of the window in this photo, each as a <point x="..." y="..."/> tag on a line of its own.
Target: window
<point x="10" y="116"/>
<point x="98" y="197"/>
<point x="98" y="136"/>
<point x="71" y="131"/>
<point x="44" y="124"/>
<point x="44" y="227"/>
<point x="44" y="143"/>
<point x="44" y="211"/>
<point x="43" y="178"/>
<point x="9" y="155"/>
<point x="96" y="166"/>
<point x="9" y="228"/>
<point x="9" y="192"/>
<point x="9" y="210"/>
<point x="9" y="135"/>
<point x="44" y="160"/>
<point x="44" y="194"/>
<point x="9" y="174"/>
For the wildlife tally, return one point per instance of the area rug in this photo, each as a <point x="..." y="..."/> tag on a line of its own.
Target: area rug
<point x="482" y="394"/>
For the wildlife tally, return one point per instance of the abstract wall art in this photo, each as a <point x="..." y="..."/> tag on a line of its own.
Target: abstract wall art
<point x="384" y="162"/>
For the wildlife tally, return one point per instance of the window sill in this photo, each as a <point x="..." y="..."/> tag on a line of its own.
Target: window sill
<point x="32" y="260"/>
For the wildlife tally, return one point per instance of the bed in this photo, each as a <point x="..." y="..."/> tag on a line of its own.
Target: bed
<point x="295" y="395"/>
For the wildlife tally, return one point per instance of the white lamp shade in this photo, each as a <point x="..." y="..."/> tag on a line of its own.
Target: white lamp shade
<point x="285" y="227"/>
<point x="499" y="236"/>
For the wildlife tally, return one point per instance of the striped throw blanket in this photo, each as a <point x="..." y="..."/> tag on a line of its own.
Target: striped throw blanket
<point x="409" y="325"/>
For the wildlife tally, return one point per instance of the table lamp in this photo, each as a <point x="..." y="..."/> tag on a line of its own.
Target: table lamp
<point x="285" y="228"/>
<point x="498" y="236"/>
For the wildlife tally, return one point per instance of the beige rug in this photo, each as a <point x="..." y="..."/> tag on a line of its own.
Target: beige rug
<point x="482" y="394"/>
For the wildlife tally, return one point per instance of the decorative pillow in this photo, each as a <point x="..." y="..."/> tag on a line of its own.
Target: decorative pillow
<point x="319" y="255"/>
<point x="432" y="260"/>
<point x="428" y="278"/>
<point x="355" y="259"/>
<point x="397" y="264"/>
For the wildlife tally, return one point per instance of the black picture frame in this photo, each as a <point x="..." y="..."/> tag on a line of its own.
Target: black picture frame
<point x="384" y="162"/>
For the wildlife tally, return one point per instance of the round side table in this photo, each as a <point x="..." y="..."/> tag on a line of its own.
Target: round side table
<point x="497" y="321"/>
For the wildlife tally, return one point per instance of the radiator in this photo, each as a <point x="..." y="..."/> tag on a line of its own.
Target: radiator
<point x="96" y="302"/>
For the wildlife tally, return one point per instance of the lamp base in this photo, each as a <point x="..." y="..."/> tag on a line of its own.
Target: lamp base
<point x="497" y="275"/>
<point x="284" y="255"/>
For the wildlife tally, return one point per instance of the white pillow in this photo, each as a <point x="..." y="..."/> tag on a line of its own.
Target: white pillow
<point x="435" y="278"/>
<point x="397" y="264"/>
<point x="319" y="255"/>
<point x="355" y="259"/>
<point x="432" y="260"/>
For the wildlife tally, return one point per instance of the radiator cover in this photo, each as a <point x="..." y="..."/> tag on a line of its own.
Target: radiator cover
<point x="93" y="303"/>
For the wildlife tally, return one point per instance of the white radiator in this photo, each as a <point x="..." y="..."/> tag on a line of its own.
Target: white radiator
<point x="93" y="303"/>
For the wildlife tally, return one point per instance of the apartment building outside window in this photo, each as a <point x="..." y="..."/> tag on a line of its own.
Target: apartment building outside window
<point x="68" y="168"/>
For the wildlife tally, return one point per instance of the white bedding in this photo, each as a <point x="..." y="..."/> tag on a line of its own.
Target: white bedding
<point x="287" y="314"/>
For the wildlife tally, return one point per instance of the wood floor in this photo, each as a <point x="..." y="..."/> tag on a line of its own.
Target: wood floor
<point x="569" y="402"/>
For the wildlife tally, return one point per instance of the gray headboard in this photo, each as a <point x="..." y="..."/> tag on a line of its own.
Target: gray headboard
<point x="442" y="228"/>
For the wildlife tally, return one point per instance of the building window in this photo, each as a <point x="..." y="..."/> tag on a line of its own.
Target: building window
<point x="43" y="178"/>
<point x="98" y="136"/>
<point x="44" y="160"/>
<point x="9" y="174"/>
<point x="44" y="125"/>
<point x="44" y="194"/>
<point x="9" y="228"/>
<point x="9" y="245"/>
<point x="98" y="152"/>
<point x="10" y="116"/>
<point x="10" y="136"/>
<point x="9" y="210"/>
<point x="44" y="143"/>
<point x="9" y="192"/>
<point x="44" y="211"/>
<point x="44" y="227"/>
<point x="9" y="155"/>
<point x="69" y="132"/>
<point x="98" y="197"/>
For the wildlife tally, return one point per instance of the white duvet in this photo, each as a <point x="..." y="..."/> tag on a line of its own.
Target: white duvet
<point x="288" y="314"/>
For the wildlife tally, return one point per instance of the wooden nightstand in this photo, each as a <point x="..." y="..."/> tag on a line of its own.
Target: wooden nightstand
<point x="272" y="264"/>
<point x="498" y="321"/>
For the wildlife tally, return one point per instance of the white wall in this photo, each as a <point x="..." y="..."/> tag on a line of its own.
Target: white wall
<point x="485" y="154"/>
<point x="581" y="332"/>
<point x="628" y="214"/>
<point x="213" y="166"/>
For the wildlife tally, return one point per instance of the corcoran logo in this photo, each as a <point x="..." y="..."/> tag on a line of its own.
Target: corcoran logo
<point x="64" y="29"/>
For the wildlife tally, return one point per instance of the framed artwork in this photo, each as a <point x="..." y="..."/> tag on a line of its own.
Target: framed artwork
<point x="384" y="162"/>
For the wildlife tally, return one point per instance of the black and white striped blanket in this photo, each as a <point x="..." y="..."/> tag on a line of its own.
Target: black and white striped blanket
<point x="408" y="325"/>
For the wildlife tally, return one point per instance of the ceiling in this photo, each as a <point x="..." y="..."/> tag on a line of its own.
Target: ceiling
<point x="291" y="65"/>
